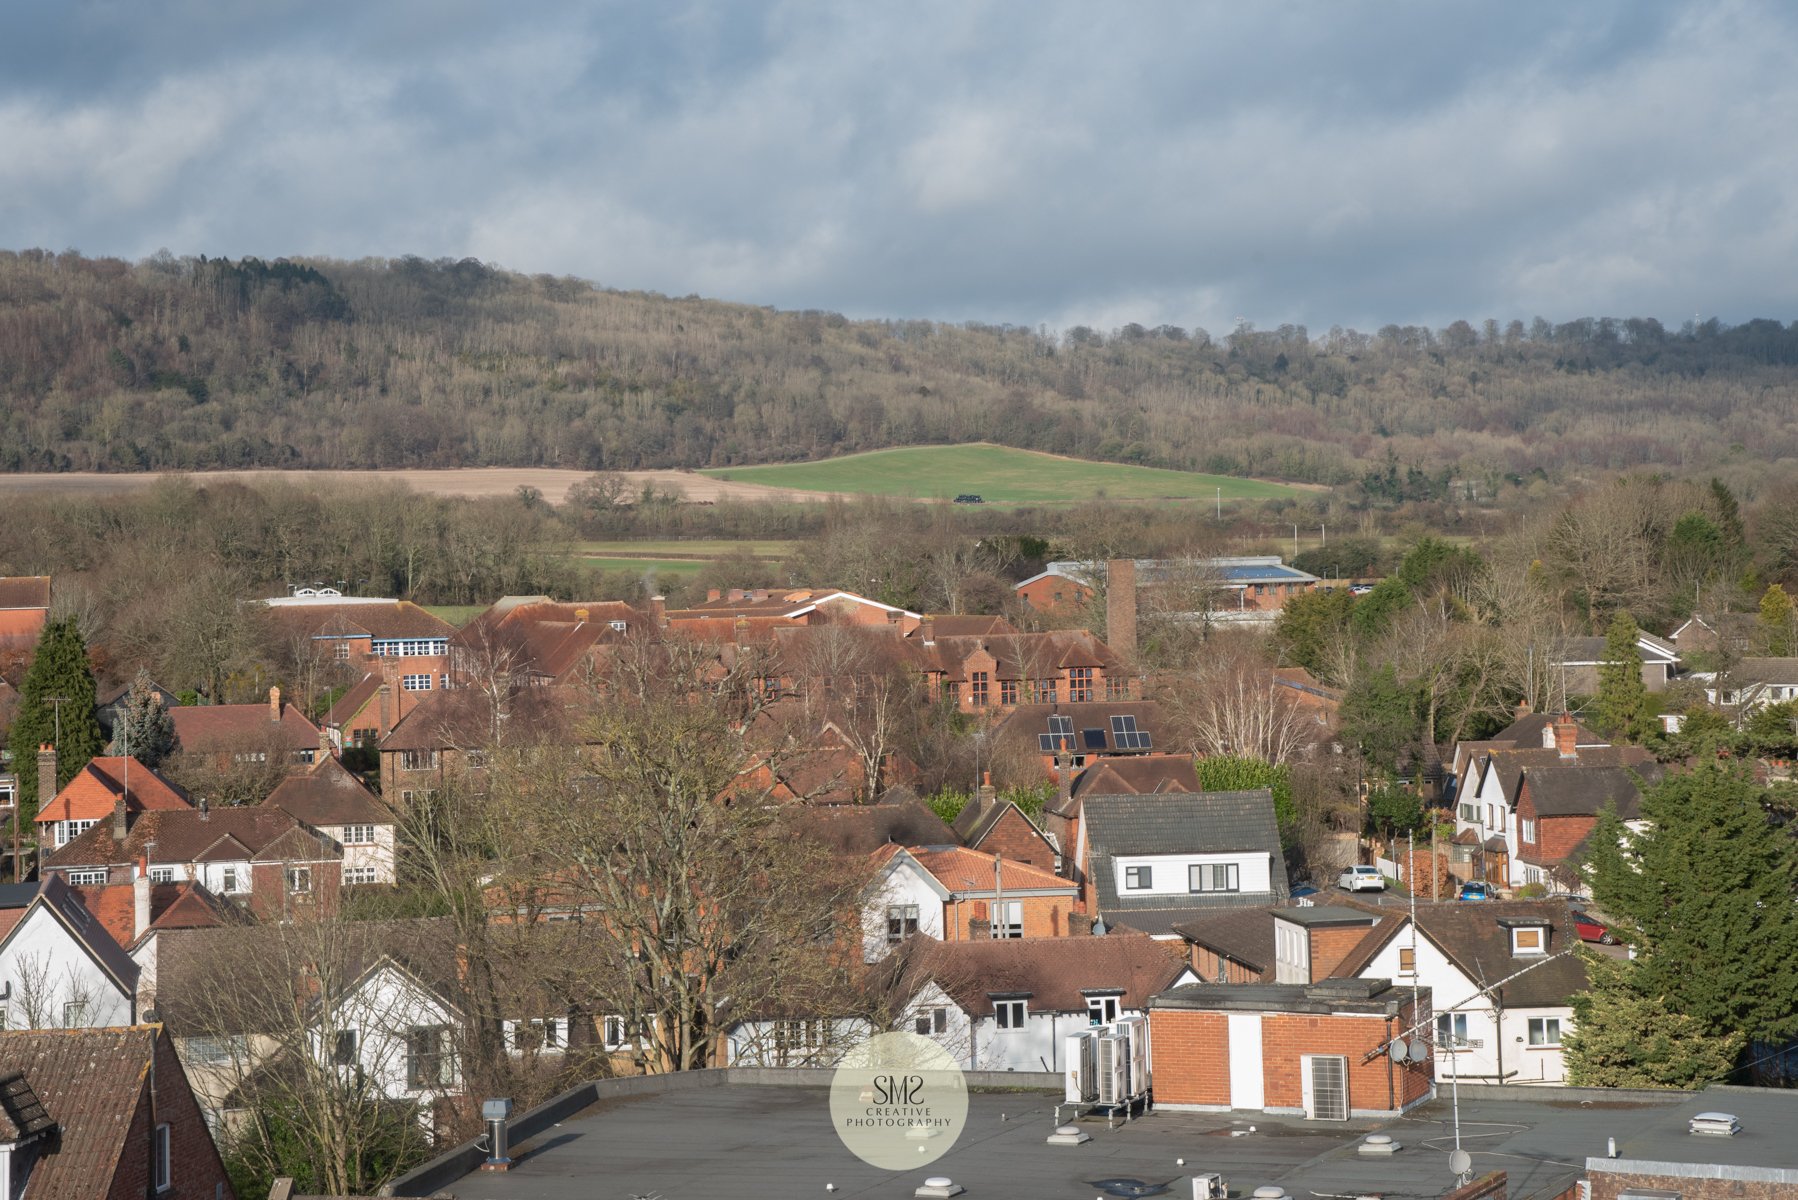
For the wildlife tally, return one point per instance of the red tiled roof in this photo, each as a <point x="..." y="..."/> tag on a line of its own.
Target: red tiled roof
<point x="189" y="836"/>
<point x="94" y="792"/>
<point x="207" y="727"/>
<point x="172" y="906"/>
<point x="1125" y="775"/>
<point x="545" y="637"/>
<point x="386" y="620"/>
<point x="22" y="625"/>
<point x="970" y="872"/>
<point x="24" y="591"/>
<point x="329" y="794"/>
<point x="1055" y="972"/>
<point x="91" y="1082"/>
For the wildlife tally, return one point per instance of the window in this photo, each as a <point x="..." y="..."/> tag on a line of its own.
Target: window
<point x="341" y="652"/>
<point x="548" y="1034"/>
<point x="429" y="1063"/>
<point x="410" y="647"/>
<point x="162" y="1166"/>
<point x="613" y="1032"/>
<point x="88" y="878"/>
<point x="1137" y="879"/>
<point x="308" y="755"/>
<point x="1048" y="690"/>
<point x="418" y="760"/>
<point x="162" y="874"/>
<point x="952" y="691"/>
<point x="1470" y="813"/>
<point x="1080" y="685"/>
<point x="1215" y="877"/>
<point x="343" y="1047"/>
<point x="1545" y="1031"/>
<point x="1008" y="691"/>
<point x="358" y="875"/>
<point x="977" y="685"/>
<point x="228" y="881"/>
<point x="1529" y="830"/>
<point x="299" y="879"/>
<point x="213" y="1051"/>
<point x="1407" y="961"/>
<point x="1117" y="687"/>
<point x="358" y="835"/>
<point x="932" y="1020"/>
<point x="1528" y="940"/>
<point x="1451" y="1031"/>
<point x="416" y="683"/>
<point x="68" y="831"/>
<point x="1101" y="1010"/>
<point x="1008" y="918"/>
<point x="902" y="921"/>
<point x="74" y="1014"/>
<point x="1010" y="1014"/>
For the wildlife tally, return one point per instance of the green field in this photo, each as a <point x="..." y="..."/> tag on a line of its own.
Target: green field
<point x="997" y="474"/>
<point x="696" y="548"/>
<point x="661" y="566"/>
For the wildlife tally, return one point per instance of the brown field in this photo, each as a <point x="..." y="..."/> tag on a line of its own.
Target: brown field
<point x="470" y="481"/>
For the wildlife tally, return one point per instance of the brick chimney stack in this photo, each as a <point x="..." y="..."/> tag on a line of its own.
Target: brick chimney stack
<point x="1120" y="607"/>
<point x="121" y="825"/>
<point x="1566" y="736"/>
<point x="140" y="896"/>
<point x="927" y="628"/>
<point x="46" y="774"/>
<point x="274" y="704"/>
<point x="658" y="610"/>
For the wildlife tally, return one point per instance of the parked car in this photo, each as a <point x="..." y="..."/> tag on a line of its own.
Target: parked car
<point x="1360" y="589"/>
<point x="1591" y="930"/>
<point x="1477" y="891"/>
<point x="1361" y="878"/>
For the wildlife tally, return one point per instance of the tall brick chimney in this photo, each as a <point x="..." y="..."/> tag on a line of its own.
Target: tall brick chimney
<point x="46" y="774"/>
<point x="121" y="824"/>
<point x="658" y="610"/>
<point x="1120" y="607"/>
<point x="1567" y="736"/>
<point x="927" y="630"/>
<point x="274" y="704"/>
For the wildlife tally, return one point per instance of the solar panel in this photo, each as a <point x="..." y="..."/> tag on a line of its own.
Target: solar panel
<point x="1093" y="739"/>
<point x="1060" y="735"/>
<point x="1126" y="736"/>
<point x="1061" y="724"/>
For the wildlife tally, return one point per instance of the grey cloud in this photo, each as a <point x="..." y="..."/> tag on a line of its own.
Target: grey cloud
<point x="1182" y="163"/>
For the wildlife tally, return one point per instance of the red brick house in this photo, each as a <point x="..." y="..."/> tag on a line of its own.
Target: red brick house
<point x="259" y="856"/>
<point x="103" y="1114"/>
<point x="790" y="606"/>
<point x="233" y="731"/>
<point x="96" y="790"/>
<point x="1005" y="671"/>
<point x="536" y="641"/>
<point x="1065" y="739"/>
<point x="452" y="731"/>
<point x="1316" y="1050"/>
<point x="1000" y="827"/>
<point x="343" y="637"/>
<point x="955" y="894"/>
<point x="24" y="607"/>
<point x="1558" y="806"/>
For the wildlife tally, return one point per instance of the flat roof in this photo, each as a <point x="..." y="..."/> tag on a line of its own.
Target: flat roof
<point x="753" y="1141"/>
<point x="1326" y="915"/>
<point x="1768" y="1116"/>
<point x="1371" y="997"/>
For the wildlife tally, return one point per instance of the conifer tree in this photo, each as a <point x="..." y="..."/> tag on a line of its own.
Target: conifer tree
<point x="143" y="727"/>
<point x="1705" y="893"/>
<point x="1778" y="621"/>
<point x="59" y="668"/>
<point x="1626" y="1037"/>
<point x="1624" y="708"/>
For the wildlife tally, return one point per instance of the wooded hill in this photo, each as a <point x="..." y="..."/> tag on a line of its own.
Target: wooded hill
<point x="190" y="363"/>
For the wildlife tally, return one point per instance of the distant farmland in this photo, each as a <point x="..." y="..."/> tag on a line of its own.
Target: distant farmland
<point x="997" y="474"/>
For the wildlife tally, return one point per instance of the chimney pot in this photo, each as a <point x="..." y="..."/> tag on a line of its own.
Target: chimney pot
<point x="658" y="608"/>
<point x="274" y="704"/>
<point x="205" y="809"/>
<point x="580" y="614"/>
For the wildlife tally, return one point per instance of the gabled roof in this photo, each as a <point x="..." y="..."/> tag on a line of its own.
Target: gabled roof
<point x="1589" y="651"/>
<point x="862" y="828"/>
<point x="64" y="905"/>
<point x="1508" y="766"/>
<point x="221" y="834"/>
<point x="212" y="727"/>
<point x="979" y="818"/>
<point x="963" y="625"/>
<point x="1244" y="935"/>
<point x="24" y="591"/>
<point x="1584" y="791"/>
<point x="329" y="794"/>
<point x="90" y="1082"/>
<point x="1054" y="973"/>
<point x="1178" y="823"/>
<point x="1750" y="671"/>
<point x="960" y="871"/>
<point x="185" y="905"/>
<point x="95" y="791"/>
<point x="465" y="717"/>
<point x="350" y="617"/>
<point x="1016" y="656"/>
<point x="1020" y="731"/>
<point x="788" y="603"/>
<point x="546" y="638"/>
<point x="1137" y="775"/>
<point x="1476" y="938"/>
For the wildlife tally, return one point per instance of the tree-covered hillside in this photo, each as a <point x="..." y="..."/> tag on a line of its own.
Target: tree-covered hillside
<point x="192" y="363"/>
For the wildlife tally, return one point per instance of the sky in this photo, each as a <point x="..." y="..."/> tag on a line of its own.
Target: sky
<point x="1195" y="163"/>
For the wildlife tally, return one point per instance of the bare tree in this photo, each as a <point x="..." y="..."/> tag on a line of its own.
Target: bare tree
<point x="48" y="999"/>
<point x="1232" y="704"/>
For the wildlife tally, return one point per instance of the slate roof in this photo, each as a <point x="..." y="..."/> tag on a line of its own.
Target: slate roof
<point x="208" y="727"/>
<point x="1782" y="671"/>
<point x="1054" y="972"/>
<point x="1245" y="935"/>
<point x="860" y="829"/>
<point x="1473" y="938"/>
<point x="1511" y="764"/>
<point x="1322" y="998"/>
<point x="1584" y="791"/>
<point x="1178" y="823"/>
<point x="95" y="790"/>
<point x="90" y="1082"/>
<point x="252" y="832"/>
<point x="329" y="794"/>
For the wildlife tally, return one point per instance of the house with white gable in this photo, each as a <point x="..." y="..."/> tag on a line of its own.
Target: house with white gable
<point x="330" y="799"/>
<point x="59" y="967"/>
<point x="955" y="894"/>
<point x="395" y="1029"/>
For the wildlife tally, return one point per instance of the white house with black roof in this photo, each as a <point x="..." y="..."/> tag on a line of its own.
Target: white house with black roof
<point x="59" y="968"/>
<point x="1151" y="861"/>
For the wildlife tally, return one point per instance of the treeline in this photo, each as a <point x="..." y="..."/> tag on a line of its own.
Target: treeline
<point x="193" y="363"/>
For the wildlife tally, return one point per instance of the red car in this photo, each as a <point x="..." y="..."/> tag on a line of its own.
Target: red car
<point x="1591" y="930"/>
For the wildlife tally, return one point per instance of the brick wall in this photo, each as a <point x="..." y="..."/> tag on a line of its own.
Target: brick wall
<point x="1192" y="1056"/>
<point x="1204" y="963"/>
<point x="1015" y="839"/>
<point x="1493" y="1186"/>
<point x="1044" y="916"/>
<point x="1557" y="837"/>
<point x="1608" y="1186"/>
<point x="195" y="1167"/>
<point x="1330" y="946"/>
<point x="270" y="901"/>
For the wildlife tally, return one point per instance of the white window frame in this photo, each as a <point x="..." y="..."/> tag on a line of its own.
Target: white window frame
<point x="931" y="1021"/>
<point x="74" y="1014"/>
<point x="346" y="1047"/>
<point x="1451" y="1031"/>
<point x="1007" y="919"/>
<point x="1010" y="1016"/>
<point x="162" y="874"/>
<point x="92" y="877"/>
<point x="1538" y="932"/>
<point x="1200" y="874"/>
<point x="614" y="1032"/>
<point x="1539" y="1028"/>
<point x="902" y="922"/>
<point x="551" y="1035"/>
<point x="1528" y="831"/>
<point x="360" y="875"/>
<point x="416" y="683"/>
<point x="299" y="881"/>
<point x="232" y="882"/>
<point x="358" y="835"/>
<point x="1102" y="1010"/>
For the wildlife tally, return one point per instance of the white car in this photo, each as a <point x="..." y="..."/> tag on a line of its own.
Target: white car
<point x="1361" y="879"/>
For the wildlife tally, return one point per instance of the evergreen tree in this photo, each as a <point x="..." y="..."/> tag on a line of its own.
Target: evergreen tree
<point x="1379" y="718"/>
<point x="59" y="668"/>
<point x="1626" y="1037"/>
<point x="1778" y="622"/>
<point x="1624" y="708"/>
<point x="143" y="727"/>
<point x="1705" y="893"/>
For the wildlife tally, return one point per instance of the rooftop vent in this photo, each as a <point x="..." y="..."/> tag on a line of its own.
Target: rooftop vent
<point x="1716" y="1124"/>
<point x="1377" y="1144"/>
<point x="938" y="1187"/>
<point x="1068" y="1135"/>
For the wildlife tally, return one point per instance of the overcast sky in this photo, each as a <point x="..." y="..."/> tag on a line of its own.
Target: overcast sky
<point x="1190" y="163"/>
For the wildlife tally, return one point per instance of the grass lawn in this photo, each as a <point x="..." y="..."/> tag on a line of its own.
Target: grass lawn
<point x="997" y="474"/>
<point x="699" y="548"/>
<point x="661" y="566"/>
<point x="456" y="614"/>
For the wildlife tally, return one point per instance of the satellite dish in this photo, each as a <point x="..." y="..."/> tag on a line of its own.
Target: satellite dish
<point x="1398" y="1050"/>
<point x="1460" y="1162"/>
<point x="1420" y="1050"/>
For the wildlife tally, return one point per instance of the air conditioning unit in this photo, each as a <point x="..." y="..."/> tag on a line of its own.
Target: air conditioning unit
<point x="1112" y="1063"/>
<point x="1208" y="1185"/>
<point x="1136" y="1029"/>
<point x="1082" y="1078"/>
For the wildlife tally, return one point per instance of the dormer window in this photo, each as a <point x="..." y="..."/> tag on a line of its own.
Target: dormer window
<point x="1529" y="939"/>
